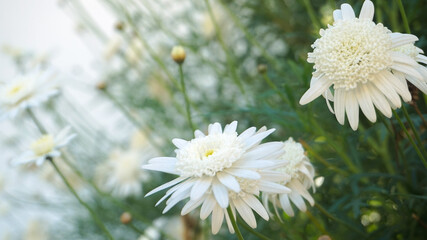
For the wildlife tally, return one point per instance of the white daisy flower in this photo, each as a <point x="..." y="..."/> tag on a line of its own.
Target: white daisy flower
<point x="222" y="169"/>
<point x="121" y="175"/>
<point x="358" y="58"/>
<point x="46" y="146"/>
<point x="26" y="91"/>
<point x="301" y="174"/>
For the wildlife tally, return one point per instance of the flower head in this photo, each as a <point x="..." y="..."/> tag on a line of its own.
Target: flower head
<point x="26" y="91"/>
<point x="222" y="169"/>
<point x="358" y="58"/>
<point x="46" y="146"/>
<point x="121" y="174"/>
<point x="300" y="174"/>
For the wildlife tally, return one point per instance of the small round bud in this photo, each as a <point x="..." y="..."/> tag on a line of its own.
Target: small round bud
<point x="262" y="68"/>
<point x="120" y="26"/>
<point x="178" y="54"/>
<point x="324" y="237"/>
<point x="101" y="85"/>
<point x="126" y="218"/>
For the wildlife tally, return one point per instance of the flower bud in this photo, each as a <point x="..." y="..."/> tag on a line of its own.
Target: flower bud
<point x="262" y="68"/>
<point x="324" y="237"/>
<point x="119" y="26"/>
<point x="178" y="54"/>
<point x="126" y="218"/>
<point x="101" y="85"/>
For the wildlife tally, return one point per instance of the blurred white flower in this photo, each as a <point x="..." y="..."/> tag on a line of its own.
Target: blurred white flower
<point x="26" y="91"/>
<point x="139" y="141"/>
<point x="301" y="174"/>
<point x="134" y="51"/>
<point x="112" y="47"/>
<point x="208" y="27"/>
<point x="173" y="227"/>
<point x="46" y="146"/>
<point x="416" y="54"/>
<point x="36" y="230"/>
<point x="121" y="173"/>
<point x="357" y="57"/>
<point x="222" y="169"/>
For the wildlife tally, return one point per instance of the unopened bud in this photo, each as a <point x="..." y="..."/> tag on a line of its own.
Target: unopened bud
<point x="101" y="85"/>
<point x="120" y="26"/>
<point x="126" y="218"/>
<point x="324" y="237"/>
<point x="178" y="54"/>
<point x="262" y="68"/>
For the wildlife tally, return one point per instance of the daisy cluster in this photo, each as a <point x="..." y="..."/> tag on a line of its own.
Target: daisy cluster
<point x="224" y="169"/>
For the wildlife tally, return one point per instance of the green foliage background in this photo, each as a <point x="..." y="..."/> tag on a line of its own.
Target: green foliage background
<point x="370" y="172"/>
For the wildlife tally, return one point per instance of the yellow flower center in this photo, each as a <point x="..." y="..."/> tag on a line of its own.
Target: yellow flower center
<point x="43" y="145"/>
<point x="209" y="152"/>
<point x="15" y="89"/>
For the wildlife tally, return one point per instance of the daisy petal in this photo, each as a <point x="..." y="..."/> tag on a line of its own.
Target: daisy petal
<point x="229" y="181"/>
<point x="367" y="11"/>
<point x="220" y="193"/>
<point x="200" y="188"/>
<point x="347" y="12"/>
<point x="314" y="91"/>
<point x="352" y="109"/>
<point x="217" y="219"/>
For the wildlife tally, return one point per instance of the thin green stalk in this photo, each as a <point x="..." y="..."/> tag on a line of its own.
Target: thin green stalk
<point x="252" y="39"/>
<point x="132" y="119"/>
<point x="414" y="131"/>
<point x="92" y="213"/>
<point x="187" y="99"/>
<point x="404" y="18"/>
<point x="120" y="204"/>
<point x="329" y="215"/>
<point x="233" y="222"/>
<point x="317" y="223"/>
<point x="275" y="88"/>
<point x="135" y="228"/>
<point x="36" y="121"/>
<point x="410" y="139"/>
<point x="230" y="61"/>
<point x="249" y="229"/>
<point x="311" y="14"/>
<point x="311" y="151"/>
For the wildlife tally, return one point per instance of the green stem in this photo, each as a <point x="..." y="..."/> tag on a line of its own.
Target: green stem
<point x="92" y="213"/>
<point x="132" y="119"/>
<point x="123" y="206"/>
<point x="249" y="229"/>
<point x="275" y="63"/>
<point x="410" y="139"/>
<point x="36" y="121"/>
<point x="313" y="153"/>
<point x="311" y="14"/>
<point x="275" y="88"/>
<point x="230" y="61"/>
<point x="233" y="222"/>
<point x="329" y="215"/>
<point x="415" y="132"/>
<point x="187" y="99"/>
<point x="404" y="18"/>
<point x="135" y="228"/>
